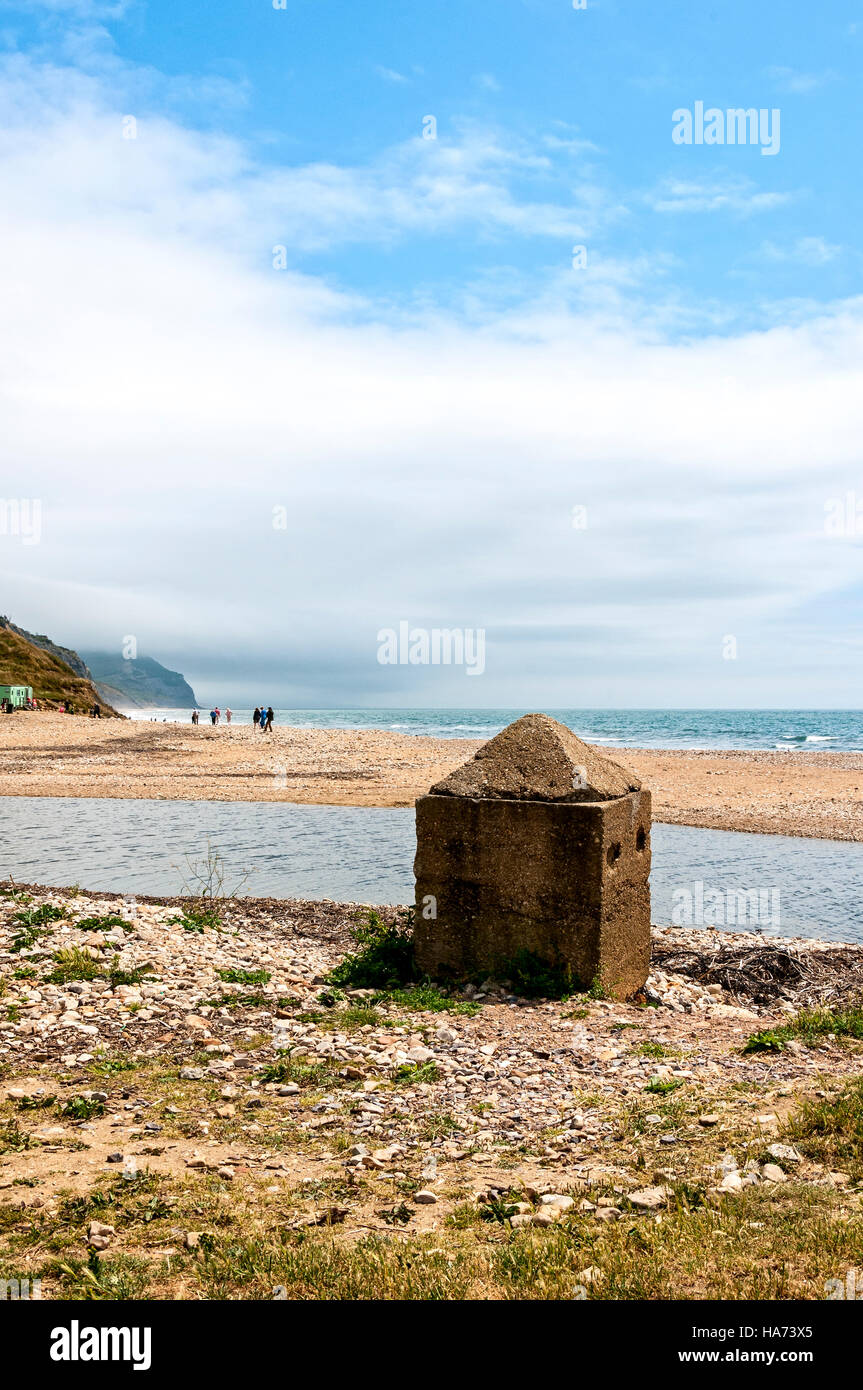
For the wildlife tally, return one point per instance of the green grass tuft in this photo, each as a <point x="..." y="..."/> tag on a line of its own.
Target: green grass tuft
<point x="107" y="922"/>
<point x="535" y="978"/>
<point x="413" y="1074"/>
<point x="427" y="998"/>
<point x="810" y="1026"/>
<point x="82" y="1108"/>
<point x="239" y="1001"/>
<point x="385" y="959"/>
<point x="831" y="1131"/>
<point x="197" y="920"/>
<point x="73" y="964"/>
<point x="233" y="976"/>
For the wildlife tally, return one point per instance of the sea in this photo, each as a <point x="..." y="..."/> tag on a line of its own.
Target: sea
<point x="837" y="731"/>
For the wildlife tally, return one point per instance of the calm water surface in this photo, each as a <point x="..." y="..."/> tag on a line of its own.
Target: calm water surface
<point x="795" y="887"/>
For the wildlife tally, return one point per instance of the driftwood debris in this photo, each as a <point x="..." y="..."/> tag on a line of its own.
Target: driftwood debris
<point x="764" y="973"/>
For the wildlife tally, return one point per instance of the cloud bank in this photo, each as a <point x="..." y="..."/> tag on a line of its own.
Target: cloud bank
<point x="167" y="393"/>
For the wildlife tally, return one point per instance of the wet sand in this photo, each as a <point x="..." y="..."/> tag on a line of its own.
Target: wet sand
<point x="46" y="754"/>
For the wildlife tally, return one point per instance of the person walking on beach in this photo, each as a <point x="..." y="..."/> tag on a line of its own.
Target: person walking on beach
<point x="256" y="717"/>
<point x="194" y="716"/>
<point x="269" y="724"/>
<point x="213" y="717"/>
<point x="228" y="715"/>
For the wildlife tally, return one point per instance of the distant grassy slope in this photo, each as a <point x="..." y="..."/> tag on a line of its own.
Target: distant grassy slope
<point x="41" y="640"/>
<point x="23" y="664"/>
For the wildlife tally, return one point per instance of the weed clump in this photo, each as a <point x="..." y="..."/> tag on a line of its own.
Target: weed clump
<point x="411" y="1074"/>
<point x="73" y="964"/>
<point x="33" y="923"/>
<point x="534" y="978"/>
<point x="385" y="958"/>
<point x="107" y="922"/>
<point x="197" y="920"/>
<point x="831" y="1131"/>
<point x="233" y="976"/>
<point x="810" y="1026"/>
<point x="83" y="1108"/>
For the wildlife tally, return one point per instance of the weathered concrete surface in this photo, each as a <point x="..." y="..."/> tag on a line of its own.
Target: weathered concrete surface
<point x="551" y="872"/>
<point x="537" y="759"/>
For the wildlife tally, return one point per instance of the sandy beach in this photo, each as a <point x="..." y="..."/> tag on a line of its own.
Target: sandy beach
<point x="811" y="794"/>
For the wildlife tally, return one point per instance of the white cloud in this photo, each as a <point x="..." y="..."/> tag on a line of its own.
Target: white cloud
<point x="390" y="75"/>
<point x="572" y="145"/>
<point x="799" y="83"/>
<point x="75" y="9"/>
<point x="738" y="195"/>
<point x="807" y="250"/>
<point x="210" y="186"/>
<point x="162" y="390"/>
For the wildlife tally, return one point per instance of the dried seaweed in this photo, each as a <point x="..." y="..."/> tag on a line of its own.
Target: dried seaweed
<point x="766" y="973"/>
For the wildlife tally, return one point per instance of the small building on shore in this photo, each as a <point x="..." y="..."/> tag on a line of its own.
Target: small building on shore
<point x="17" y="696"/>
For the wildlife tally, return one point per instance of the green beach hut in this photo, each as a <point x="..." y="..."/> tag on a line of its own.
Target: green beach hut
<point x="17" y="695"/>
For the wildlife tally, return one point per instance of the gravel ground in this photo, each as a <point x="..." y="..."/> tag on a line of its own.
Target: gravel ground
<point x="528" y="1089"/>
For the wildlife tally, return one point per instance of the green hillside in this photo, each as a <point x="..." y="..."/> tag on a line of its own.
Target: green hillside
<point x="52" y="680"/>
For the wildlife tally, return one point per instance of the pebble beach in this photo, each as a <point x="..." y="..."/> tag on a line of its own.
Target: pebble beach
<point x="806" y="793"/>
<point x="190" y="1108"/>
<point x="294" y="1107"/>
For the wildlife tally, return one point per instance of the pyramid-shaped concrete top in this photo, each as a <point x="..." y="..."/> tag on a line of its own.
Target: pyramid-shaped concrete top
<point x="537" y="759"/>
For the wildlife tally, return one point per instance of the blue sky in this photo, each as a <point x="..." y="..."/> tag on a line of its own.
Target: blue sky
<point x="583" y="98"/>
<point x="428" y="384"/>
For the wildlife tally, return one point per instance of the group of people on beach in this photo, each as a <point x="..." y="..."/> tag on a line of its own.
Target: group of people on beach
<point x="262" y="718"/>
<point x="215" y="716"/>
